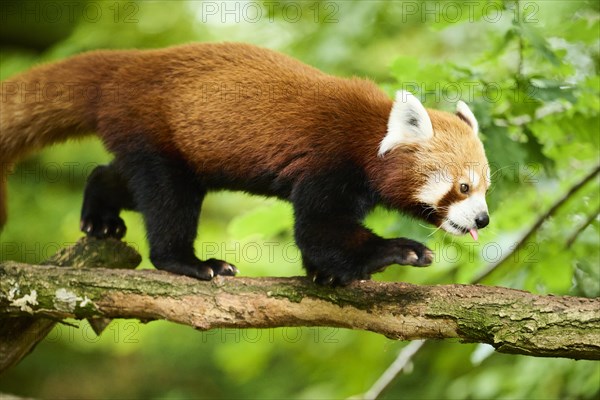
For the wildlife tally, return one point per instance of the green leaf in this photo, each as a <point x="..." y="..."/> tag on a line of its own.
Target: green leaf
<point x="586" y="279"/>
<point x="538" y="42"/>
<point x="535" y="152"/>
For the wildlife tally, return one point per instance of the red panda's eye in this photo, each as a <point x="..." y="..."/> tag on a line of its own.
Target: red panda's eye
<point x="464" y="188"/>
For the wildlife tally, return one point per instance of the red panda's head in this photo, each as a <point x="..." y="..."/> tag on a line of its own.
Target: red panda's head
<point x="434" y="166"/>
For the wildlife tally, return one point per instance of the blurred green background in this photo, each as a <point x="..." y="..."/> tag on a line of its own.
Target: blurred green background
<point x="528" y="69"/>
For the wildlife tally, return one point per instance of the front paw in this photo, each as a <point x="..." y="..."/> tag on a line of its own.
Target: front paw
<point x="410" y="252"/>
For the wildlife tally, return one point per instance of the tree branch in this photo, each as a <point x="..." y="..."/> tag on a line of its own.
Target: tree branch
<point x="512" y="321"/>
<point x="20" y="335"/>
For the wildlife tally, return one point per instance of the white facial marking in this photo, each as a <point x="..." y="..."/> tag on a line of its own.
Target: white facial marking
<point x="408" y="123"/>
<point x="474" y="179"/>
<point x="463" y="109"/>
<point x="436" y="187"/>
<point x="463" y="214"/>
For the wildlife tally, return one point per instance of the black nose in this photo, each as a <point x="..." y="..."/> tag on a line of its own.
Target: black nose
<point x="482" y="220"/>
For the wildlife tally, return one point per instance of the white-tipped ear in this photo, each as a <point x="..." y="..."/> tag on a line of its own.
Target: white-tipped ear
<point x="408" y="123"/>
<point x="464" y="112"/>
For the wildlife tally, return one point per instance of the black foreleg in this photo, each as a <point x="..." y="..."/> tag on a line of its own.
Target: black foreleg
<point x="336" y="248"/>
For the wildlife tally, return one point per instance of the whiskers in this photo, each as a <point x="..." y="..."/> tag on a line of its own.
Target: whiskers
<point x="426" y="216"/>
<point x="433" y="231"/>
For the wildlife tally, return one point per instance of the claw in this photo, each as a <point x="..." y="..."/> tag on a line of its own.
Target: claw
<point x="325" y="280"/>
<point x="230" y="269"/>
<point x="412" y="257"/>
<point x="427" y="257"/>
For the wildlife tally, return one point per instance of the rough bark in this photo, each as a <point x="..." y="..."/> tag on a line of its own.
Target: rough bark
<point x="20" y="335"/>
<point x="512" y="321"/>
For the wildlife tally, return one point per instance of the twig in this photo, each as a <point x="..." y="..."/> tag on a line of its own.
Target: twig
<point x="582" y="227"/>
<point x="390" y="374"/>
<point x="521" y="43"/>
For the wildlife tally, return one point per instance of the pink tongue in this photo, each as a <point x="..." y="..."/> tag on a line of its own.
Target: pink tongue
<point x="474" y="233"/>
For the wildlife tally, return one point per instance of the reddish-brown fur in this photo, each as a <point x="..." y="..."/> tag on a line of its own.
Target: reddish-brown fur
<point x="226" y="109"/>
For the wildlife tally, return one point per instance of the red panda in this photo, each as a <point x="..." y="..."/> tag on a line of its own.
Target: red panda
<point x="186" y="120"/>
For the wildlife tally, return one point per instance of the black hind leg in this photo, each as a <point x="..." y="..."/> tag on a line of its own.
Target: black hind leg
<point x="106" y="194"/>
<point x="169" y="196"/>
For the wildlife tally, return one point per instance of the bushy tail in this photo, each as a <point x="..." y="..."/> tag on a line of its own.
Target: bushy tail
<point x="44" y="105"/>
<point x="2" y="200"/>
